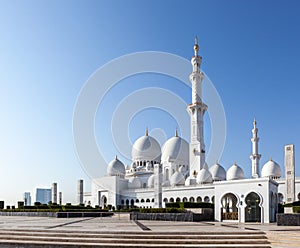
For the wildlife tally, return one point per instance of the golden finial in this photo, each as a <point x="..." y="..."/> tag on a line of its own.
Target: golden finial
<point x="196" y="47"/>
<point x="254" y="122"/>
<point x="147" y="131"/>
<point x="234" y="163"/>
<point x="176" y="133"/>
<point x="271" y="158"/>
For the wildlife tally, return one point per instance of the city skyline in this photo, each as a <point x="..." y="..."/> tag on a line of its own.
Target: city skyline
<point x="49" y="50"/>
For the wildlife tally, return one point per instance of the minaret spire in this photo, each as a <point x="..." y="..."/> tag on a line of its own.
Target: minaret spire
<point x="255" y="157"/>
<point x="196" y="47"/>
<point x="196" y="110"/>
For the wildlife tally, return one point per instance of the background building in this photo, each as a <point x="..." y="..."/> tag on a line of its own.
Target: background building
<point x="43" y="195"/>
<point x="27" y="199"/>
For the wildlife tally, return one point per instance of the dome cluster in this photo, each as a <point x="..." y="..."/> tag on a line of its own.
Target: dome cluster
<point x="174" y="156"/>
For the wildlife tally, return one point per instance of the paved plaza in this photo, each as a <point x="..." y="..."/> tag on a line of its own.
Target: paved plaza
<point x="117" y="230"/>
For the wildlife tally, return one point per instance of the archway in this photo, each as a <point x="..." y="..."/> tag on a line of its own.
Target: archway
<point x="280" y="198"/>
<point x="206" y="199"/>
<point x="184" y="199"/>
<point x="192" y="199"/>
<point x="229" y="210"/>
<point x="103" y="201"/>
<point x="298" y="197"/>
<point x="199" y="199"/>
<point x="252" y="210"/>
<point x="177" y="199"/>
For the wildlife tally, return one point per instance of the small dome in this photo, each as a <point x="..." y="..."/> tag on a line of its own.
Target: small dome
<point x="150" y="182"/>
<point x="116" y="168"/>
<point x="134" y="183"/>
<point x="218" y="172"/>
<point x="271" y="169"/>
<point x="204" y="176"/>
<point x="191" y="180"/>
<point x="146" y="148"/>
<point x="177" y="179"/>
<point x="235" y="172"/>
<point x="176" y="150"/>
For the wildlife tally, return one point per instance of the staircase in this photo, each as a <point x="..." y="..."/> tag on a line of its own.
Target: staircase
<point x="55" y="238"/>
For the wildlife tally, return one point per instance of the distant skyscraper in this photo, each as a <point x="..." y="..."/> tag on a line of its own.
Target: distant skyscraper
<point x="54" y="192"/>
<point x="60" y="198"/>
<point x="27" y="199"/>
<point x="43" y="195"/>
<point x="80" y="191"/>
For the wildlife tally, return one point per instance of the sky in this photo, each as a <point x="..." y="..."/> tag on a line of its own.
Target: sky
<point x="49" y="51"/>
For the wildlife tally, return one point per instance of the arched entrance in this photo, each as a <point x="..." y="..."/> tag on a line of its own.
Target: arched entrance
<point x="229" y="210"/>
<point x="280" y="198"/>
<point x="103" y="201"/>
<point x="252" y="210"/>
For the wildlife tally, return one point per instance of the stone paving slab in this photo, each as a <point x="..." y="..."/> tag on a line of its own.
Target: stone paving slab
<point x="279" y="236"/>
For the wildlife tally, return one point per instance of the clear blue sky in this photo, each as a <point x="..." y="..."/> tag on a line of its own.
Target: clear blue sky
<point x="49" y="49"/>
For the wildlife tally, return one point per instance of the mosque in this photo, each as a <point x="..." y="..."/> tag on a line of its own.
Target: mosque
<point x="177" y="172"/>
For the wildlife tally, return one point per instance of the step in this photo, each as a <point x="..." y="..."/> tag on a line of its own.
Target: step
<point x="140" y="236"/>
<point x="134" y="241"/>
<point x="34" y="244"/>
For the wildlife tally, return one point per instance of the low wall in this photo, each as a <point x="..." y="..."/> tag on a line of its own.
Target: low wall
<point x="288" y="219"/>
<point x="32" y="214"/>
<point x="189" y="216"/>
<point x="58" y="214"/>
<point x="82" y="214"/>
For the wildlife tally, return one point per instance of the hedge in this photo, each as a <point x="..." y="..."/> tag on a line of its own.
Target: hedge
<point x="296" y="209"/>
<point x="189" y="205"/>
<point x="296" y="203"/>
<point x="161" y="210"/>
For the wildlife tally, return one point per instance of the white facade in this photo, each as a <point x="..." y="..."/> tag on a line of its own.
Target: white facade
<point x="186" y="177"/>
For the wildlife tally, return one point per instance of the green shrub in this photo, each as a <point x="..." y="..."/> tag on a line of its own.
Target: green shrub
<point x="189" y="205"/>
<point x="29" y="207"/>
<point x="296" y="209"/>
<point x="173" y="205"/>
<point x="20" y="204"/>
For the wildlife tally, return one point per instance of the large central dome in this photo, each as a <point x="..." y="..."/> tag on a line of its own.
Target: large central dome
<point x="146" y="148"/>
<point x="176" y="150"/>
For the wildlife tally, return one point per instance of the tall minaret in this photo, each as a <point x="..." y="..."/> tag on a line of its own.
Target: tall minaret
<point x="255" y="156"/>
<point x="196" y="110"/>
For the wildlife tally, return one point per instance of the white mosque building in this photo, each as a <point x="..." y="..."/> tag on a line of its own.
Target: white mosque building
<point x="177" y="171"/>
